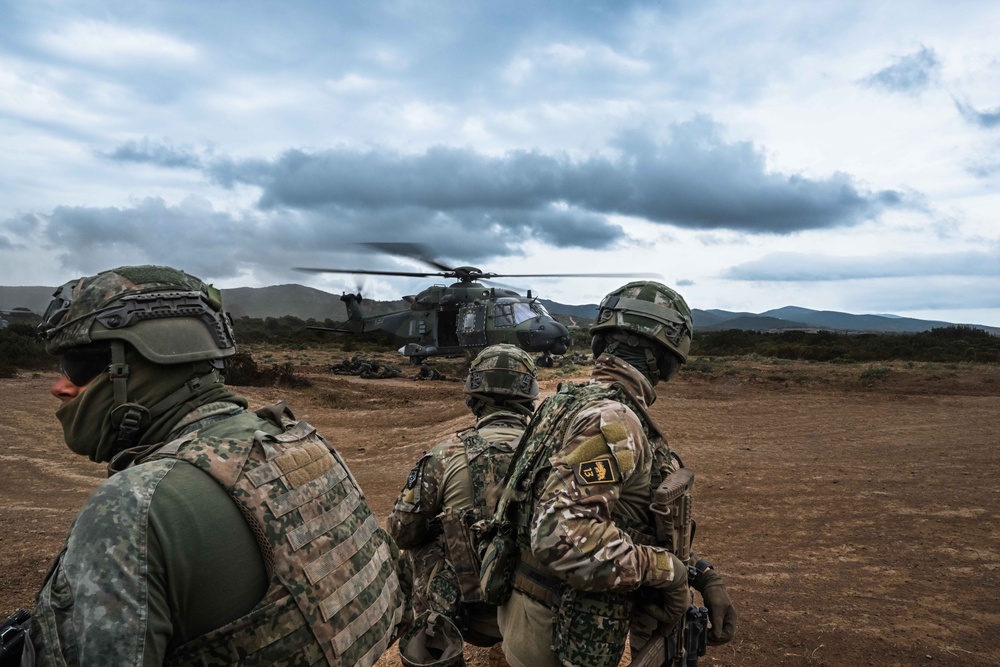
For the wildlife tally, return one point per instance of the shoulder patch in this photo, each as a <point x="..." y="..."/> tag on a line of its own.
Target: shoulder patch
<point x="411" y="479"/>
<point x="597" y="471"/>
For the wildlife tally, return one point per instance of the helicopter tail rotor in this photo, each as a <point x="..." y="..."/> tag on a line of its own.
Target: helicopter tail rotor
<point x="355" y="317"/>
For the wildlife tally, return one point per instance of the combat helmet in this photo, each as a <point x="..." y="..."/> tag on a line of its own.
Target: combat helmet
<point x="649" y="310"/>
<point x="503" y="373"/>
<point x="167" y="316"/>
<point x="433" y="641"/>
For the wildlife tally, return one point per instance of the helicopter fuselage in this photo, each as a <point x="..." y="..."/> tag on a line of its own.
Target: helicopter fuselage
<point x="463" y="318"/>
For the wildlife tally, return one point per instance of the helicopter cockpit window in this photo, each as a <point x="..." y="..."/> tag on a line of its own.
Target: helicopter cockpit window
<point x="511" y="313"/>
<point x="523" y="312"/>
<point x="503" y="315"/>
<point x="539" y="309"/>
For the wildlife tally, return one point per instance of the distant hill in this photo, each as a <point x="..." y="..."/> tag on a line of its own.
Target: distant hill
<point x="586" y="312"/>
<point x="35" y="299"/>
<point x="307" y="302"/>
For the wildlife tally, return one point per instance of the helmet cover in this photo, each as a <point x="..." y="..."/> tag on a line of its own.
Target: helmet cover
<point x="503" y="370"/>
<point x="167" y="315"/>
<point x="651" y="310"/>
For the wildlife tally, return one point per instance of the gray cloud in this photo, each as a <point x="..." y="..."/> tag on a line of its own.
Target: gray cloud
<point x="206" y="242"/>
<point x="984" y="119"/>
<point x="693" y="179"/>
<point x="796" y="267"/>
<point x="190" y="236"/>
<point x="163" y="154"/>
<point x="908" y="74"/>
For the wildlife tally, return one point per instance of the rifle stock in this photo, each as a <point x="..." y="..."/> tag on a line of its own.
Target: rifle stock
<point x="680" y="645"/>
<point x="653" y="654"/>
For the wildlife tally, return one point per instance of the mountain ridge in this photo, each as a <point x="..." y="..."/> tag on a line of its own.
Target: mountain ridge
<point x="310" y="303"/>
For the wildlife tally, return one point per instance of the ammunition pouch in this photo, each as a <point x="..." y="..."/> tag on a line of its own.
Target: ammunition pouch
<point x="590" y="628"/>
<point x="460" y="545"/>
<point x="496" y="577"/>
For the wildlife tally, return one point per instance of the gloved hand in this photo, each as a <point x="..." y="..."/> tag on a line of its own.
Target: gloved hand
<point x="721" y="612"/>
<point x="668" y="603"/>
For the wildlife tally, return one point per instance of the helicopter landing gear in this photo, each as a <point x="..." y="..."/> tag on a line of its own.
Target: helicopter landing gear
<point x="544" y="361"/>
<point x="416" y="361"/>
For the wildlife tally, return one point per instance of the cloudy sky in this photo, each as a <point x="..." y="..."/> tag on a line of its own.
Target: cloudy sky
<point x="834" y="155"/>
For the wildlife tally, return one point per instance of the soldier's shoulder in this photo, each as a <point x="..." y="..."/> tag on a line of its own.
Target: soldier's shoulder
<point x="608" y="408"/>
<point x="135" y="478"/>
<point x="448" y="449"/>
<point x="125" y="498"/>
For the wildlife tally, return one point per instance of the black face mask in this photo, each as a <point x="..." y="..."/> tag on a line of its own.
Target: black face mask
<point x="82" y="364"/>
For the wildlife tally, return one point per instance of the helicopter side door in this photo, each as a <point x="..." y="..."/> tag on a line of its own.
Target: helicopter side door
<point x="471" y="325"/>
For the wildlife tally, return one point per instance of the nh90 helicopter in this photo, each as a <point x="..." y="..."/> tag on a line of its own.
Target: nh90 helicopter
<point x="461" y="318"/>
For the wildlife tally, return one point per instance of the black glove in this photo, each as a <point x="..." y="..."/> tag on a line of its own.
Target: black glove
<point x="721" y="612"/>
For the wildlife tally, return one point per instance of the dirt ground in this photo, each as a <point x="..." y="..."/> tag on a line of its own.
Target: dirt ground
<point x="852" y="509"/>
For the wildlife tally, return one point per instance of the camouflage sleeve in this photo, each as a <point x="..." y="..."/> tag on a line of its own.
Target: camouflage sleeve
<point x="93" y="607"/>
<point x="418" y="503"/>
<point x="572" y="530"/>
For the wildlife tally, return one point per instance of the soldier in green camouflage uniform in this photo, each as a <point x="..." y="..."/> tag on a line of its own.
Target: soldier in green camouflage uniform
<point x="222" y="536"/>
<point x="579" y="492"/>
<point x="451" y="491"/>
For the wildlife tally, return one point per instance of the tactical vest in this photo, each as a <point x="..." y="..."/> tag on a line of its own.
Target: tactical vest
<point x="488" y="463"/>
<point x="335" y="596"/>
<point x="487" y="471"/>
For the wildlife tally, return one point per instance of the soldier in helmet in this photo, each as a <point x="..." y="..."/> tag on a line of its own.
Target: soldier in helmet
<point x="222" y="535"/>
<point x="449" y="496"/>
<point x="578" y="496"/>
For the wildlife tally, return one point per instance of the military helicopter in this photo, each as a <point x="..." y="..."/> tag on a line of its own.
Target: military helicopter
<point x="461" y="318"/>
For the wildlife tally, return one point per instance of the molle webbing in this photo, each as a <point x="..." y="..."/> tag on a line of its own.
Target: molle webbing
<point x="488" y="464"/>
<point x="335" y="593"/>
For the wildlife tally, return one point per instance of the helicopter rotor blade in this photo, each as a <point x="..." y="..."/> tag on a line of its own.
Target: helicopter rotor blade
<point x="576" y="275"/>
<point x="369" y="272"/>
<point x="411" y="250"/>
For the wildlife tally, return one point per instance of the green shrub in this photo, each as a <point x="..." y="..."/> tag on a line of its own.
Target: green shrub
<point x="20" y="348"/>
<point x="242" y="370"/>
<point x="873" y="374"/>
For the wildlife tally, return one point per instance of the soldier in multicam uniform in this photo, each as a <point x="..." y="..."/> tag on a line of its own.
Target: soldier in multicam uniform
<point x="222" y="536"/>
<point x="578" y="497"/>
<point x="451" y="492"/>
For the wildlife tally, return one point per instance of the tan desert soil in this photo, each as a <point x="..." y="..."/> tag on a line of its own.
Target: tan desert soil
<point x="853" y="513"/>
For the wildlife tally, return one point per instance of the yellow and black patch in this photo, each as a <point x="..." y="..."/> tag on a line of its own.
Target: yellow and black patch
<point x="598" y="471"/>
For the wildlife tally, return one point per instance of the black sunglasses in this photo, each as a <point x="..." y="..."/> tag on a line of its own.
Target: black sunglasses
<point x="82" y="364"/>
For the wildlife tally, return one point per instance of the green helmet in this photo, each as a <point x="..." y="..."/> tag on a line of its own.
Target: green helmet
<point x="505" y="371"/>
<point x="651" y="310"/>
<point x="168" y="316"/>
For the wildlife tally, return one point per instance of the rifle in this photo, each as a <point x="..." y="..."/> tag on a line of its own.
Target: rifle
<point x="683" y="644"/>
<point x="12" y="635"/>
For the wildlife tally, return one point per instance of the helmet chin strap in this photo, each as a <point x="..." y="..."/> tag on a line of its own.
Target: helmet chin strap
<point x="132" y="419"/>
